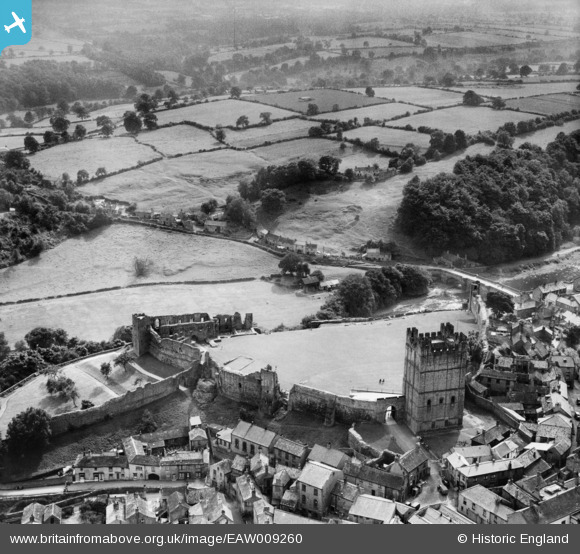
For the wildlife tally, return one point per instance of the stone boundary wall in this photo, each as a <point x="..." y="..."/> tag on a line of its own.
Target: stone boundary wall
<point x="493" y="408"/>
<point x="357" y="443"/>
<point x="132" y="400"/>
<point x="346" y="409"/>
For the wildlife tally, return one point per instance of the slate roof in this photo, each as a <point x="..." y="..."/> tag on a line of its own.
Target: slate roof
<point x="182" y="457"/>
<point x="519" y="494"/>
<point x="213" y="505"/>
<point x="102" y="460"/>
<point x="175" y="500"/>
<point x="551" y="509"/>
<point x="247" y="488"/>
<point x="290" y="499"/>
<point x="239" y="463"/>
<point x="52" y="510"/>
<point x="33" y="513"/>
<point x="254" y="434"/>
<point x="412" y="459"/>
<point x="373" y="507"/>
<point x="487" y="468"/>
<point x="197" y="434"/>
<point x="286" y="518"/>
<point x="329" y="456"/>
<point x="373" y="475"/>
<point x="162" y="436"/>
<point x="316" y="475"/>
<point x="345" y="490"/>
<point x="487" y="500"/>
<point x="292" y="447"/>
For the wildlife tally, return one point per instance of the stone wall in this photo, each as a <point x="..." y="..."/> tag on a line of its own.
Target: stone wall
<point x="132" y="400"/>
<point x="174" y="352"/>
<point x="346" y="409"/>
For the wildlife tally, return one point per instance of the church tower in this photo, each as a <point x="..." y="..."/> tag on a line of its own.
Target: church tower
<point x="434" y="379"/>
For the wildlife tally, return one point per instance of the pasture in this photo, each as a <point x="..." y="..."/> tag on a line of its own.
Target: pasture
<point x="178" y="183"/>
<point x="380" y="112"/>
<point x="222" y="112"/>
<point x="543" y="137"/>
<point x="256" y="136"/>
<point x="428" y="97"/>
<point x="96" y="316"/>
<point x="338" y="358"/>
<point x="551" y="104"/>
<point x="15" y="142"/>
<point x="470" y="119"/>
<point x="365" y="42"/>
<point x="90" y="383"/>
<point x="395" y="139"/>
<point x="325" y="99"/>
<point x="104" y="258"/>
<point x="516" y="90"/>
<point x="470" y="39"/>
<point x="179" y="139"/>
<point x="258" y="52"/>
<point x="91" y="153"/>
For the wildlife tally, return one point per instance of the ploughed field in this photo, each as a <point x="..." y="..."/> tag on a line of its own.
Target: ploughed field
<point x="105" y="258"/>
<point x="338" y="358"/>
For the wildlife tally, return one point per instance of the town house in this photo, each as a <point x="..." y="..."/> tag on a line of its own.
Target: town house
<point x="248" y="438"/>
<point x="108" y="466"/>
<point x="314" y="488"/>
<point x="289" y="453"/>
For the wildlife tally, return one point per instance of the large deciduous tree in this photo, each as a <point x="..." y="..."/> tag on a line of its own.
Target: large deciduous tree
<point x="28" y="432"/>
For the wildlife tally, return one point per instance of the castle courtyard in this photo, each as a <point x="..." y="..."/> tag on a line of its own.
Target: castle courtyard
<point x="337" y="358"/>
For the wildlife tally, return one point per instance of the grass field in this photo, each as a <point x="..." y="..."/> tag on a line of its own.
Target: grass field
<point x="249" y="138"/>
<point x="429" y="97"/>
<point x="516" y="90"/>
<point x="379" y="112"/>
<point x="17" y="142"/>
<point x="347" y="215"/>
<point x="337" y="358"/>
<point x="180" y="139"/>
<point x="395" y="139"/>
<point x="173" y="184"/>
<point x="258" y="51"/>
<point x="104" y="258"/>
<point x="96" y="316"/>
<point x="325" y="99"/>
<point x="90" y="383"/>
<point x="313" y="149"/>
<point x="545" y="136"/>
<point x="471" y="120"/>
<point x="90" y="154"/>
<point x="470" y="40"/>
<point x="223" y="112"/>
<point x="546" y="105"/>
<point x="359" y="42"/>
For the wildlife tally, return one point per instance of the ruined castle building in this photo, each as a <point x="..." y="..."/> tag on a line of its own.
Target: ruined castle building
<point x="434" y="379"/>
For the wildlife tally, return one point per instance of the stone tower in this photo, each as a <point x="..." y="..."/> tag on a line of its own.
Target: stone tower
<point x="434" y="379"/>
<point x="141" y="324"/>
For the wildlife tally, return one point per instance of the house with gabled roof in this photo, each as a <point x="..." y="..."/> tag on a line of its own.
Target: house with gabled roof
<point x="328" y="456"/>
<point x="412" y="466"/>
<point x="375" y="481"/>
<point x="314" y="487"/>
<point x="33" y="514"/>
<point x="483" y="506"/>
<point x="368" y="509"/>
<point x="289" y="453"/>
<point x="212" y="508"/>
<point x="247" y="438"/>
<point x="52" y="514"/>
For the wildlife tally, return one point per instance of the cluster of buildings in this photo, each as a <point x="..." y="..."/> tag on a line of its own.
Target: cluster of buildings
<point x="557" y="301"/>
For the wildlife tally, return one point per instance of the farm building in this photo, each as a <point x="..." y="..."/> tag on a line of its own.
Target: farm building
<point x="215" y="226"/>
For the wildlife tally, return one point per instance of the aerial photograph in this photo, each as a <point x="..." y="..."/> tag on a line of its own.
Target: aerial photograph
<point x="291" y="262"/>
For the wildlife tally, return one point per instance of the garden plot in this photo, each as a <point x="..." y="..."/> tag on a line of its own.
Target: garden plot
<point x="113" y="154"/>
<point x="394" y="139"/>
<point x="469" y="119"/>
<point x="546" y="105"/>
<point x="516" y="90"/>
<point x="178" y="183"/>
<point x="382" y="112"/>
<point x="90" y="384"/>
<point x="223" y="112"/>
<point x="179" y="139"/>
<point x="429" y="97"/>
<point x="105" y="258"/>
<point x="325" y="99"/>
<point x="256" y="136"/>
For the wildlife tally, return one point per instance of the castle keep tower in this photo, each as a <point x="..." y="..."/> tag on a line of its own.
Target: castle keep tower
<point x="141" y="324"/>
<point x="434" y="379"/>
